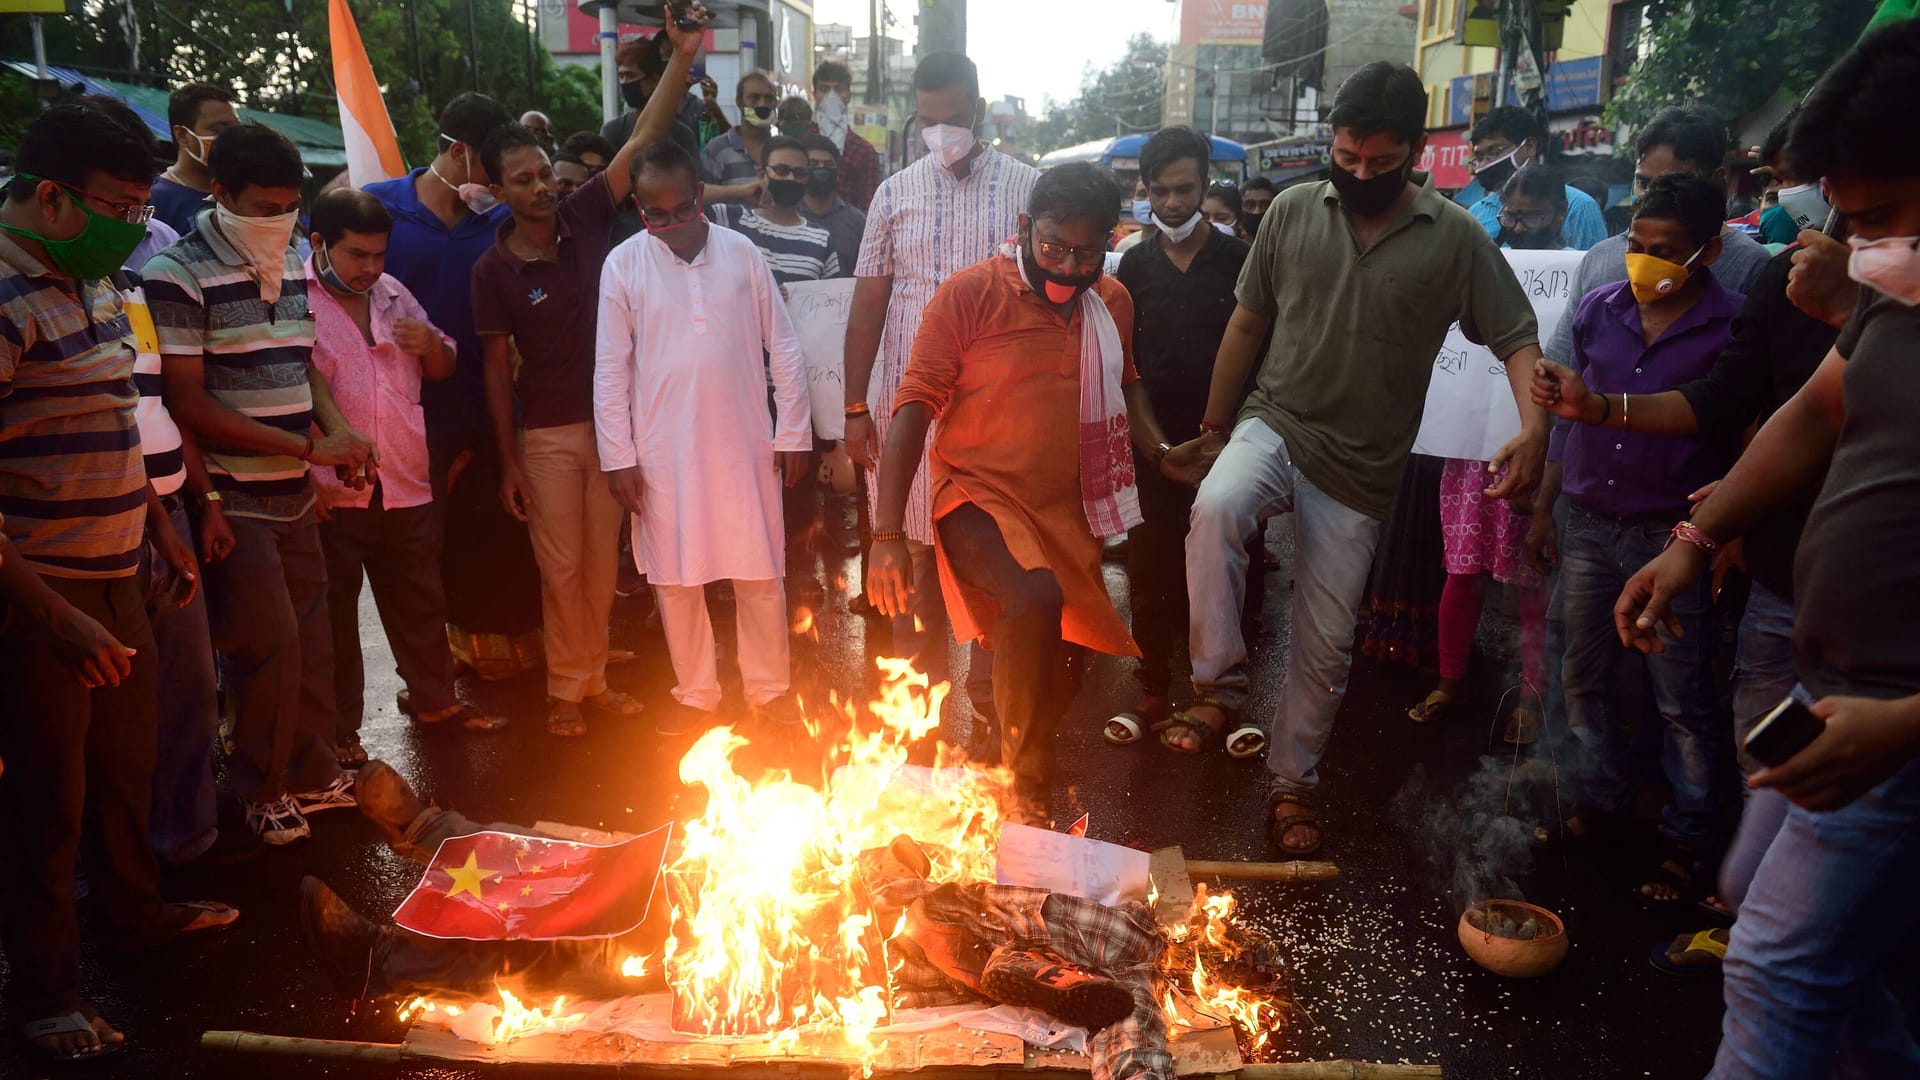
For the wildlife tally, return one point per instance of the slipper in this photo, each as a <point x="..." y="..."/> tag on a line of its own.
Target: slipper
<point x="1246" y="741"/>
<point x="1123" y="730"/>
<point x="348" y="751"/>
<point x="204" y="916"/>
<point x="465" y="715"/>
<point x="1299" y="815"/>
<point x="614" y="703"/>
<point x="1680" y="870"/>
<point x="1716" y="909"/>
<point x="1183" y="721"/>
<point x="1703" y="955"/>
<point x="73" y="1023"/>
<point x="564" y="720"/>
<point x="1437" y="705"/>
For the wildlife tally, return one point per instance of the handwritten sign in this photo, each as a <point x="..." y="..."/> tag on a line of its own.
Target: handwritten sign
<point x="819" y="313"/>
<point x="1044" y="859"/>
<point x="1470" y="410"/>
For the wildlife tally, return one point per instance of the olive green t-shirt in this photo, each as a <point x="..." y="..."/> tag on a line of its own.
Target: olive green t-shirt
<point x="1355" y="335"/>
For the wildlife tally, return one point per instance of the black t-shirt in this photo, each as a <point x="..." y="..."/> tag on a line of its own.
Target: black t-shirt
<point x="1774" y="350"/>
<point x="1178" y="321"/>
<point x="1857" y="578"/>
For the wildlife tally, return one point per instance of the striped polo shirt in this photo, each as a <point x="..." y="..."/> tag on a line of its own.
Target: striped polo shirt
<point x="254" y="357"/>
<point x="159" y="436"/>
<point x="802" y="252"/>
<point x="72" y="488"/>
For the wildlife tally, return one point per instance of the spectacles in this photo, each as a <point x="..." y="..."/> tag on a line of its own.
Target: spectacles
<point x="787" y="172"/>
<point x="131" y="213"/>
<point x="1485" y="158"/>
<point x="1514" y="219"/>
<point x="684" y="214"/>
<point x="1063" y="252"/>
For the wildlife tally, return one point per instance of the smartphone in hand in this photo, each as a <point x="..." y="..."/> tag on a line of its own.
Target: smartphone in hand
<point x="1784" y="732"/>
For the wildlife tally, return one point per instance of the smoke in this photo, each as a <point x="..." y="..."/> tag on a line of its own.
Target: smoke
<point x="1476" y="835"/>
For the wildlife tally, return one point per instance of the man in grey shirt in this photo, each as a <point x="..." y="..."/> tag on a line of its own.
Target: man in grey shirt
<point x="1680" y="138"/>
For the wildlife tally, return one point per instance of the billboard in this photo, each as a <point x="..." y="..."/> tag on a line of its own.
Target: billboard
<point x="1222" y="22"/>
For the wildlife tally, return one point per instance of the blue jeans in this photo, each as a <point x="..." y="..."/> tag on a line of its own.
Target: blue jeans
<point x="183" y="822"/>
<point x="1762" y="678"/>
<point x="1598" y="555"/>
<point x="1829" y="913"/>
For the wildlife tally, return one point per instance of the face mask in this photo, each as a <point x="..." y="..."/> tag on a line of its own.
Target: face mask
<point x="1250" y="223"/>
<point x="1372" y="195"/>
<point x="1805" y="206"/>
<point x="262" y="242"/>
<point x="786" y="192"/>
<point x="477" y="197"/>
<point x="1889" y="266"/>
<point x="1224" y="228"/>
<point x="201" y="141"/>
<point x="633" y="95"/>
<point x="1180" y="232"/>
<point x="949" y="144"/>
<point x="100" y="247"/>
<point x="1143" y="211"/>
<point x="1496" y="173"/>
<point x="1653" y="278"/>
<point x="324" y="263"/>
<point x="1057" y="289"/>
<point x="822" y="181"/>
<point x="760" y="116"/>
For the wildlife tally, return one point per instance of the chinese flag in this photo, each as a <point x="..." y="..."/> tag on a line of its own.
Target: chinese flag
<point x="496" y="886"/>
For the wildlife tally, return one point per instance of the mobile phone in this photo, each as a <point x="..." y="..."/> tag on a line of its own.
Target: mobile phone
<point x="678" y="13"/>
<point x="1784" y="732"/>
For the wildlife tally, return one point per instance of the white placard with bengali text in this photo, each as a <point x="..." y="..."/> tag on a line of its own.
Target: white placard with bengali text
<point x="1470" y="410"/>
<point x="819" y="313"/>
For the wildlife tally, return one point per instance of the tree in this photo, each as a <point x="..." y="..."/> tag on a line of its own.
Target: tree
<point x="1124" y="98"/>
<point x="1734" y="55"/>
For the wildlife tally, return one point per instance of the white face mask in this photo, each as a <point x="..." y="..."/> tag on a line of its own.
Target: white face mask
<point x="1889" y="266"/>
<point x="1805" y="206"/>
<point x="949" y="144"/>
<point x="201" y="141"/>
<point x="1143" y="211"/>
<point x="1225" y="229"/>
<point x="262" y="242"/>
<point x="478" y="197"/>
<point x="1177" y="233"/>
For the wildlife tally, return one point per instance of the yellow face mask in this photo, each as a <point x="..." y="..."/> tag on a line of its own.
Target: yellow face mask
<point x="1654" y="278"/>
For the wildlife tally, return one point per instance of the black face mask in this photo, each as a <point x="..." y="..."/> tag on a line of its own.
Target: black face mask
<point x="1495" y="176"/>
<point x="1372" y="195"/>
<point x="786" y="192"/>
<point x="1250" y="224"/>
<point x="1054" y="288"/>
<point x="633" y="95"/>
<point x="822" y="181"/>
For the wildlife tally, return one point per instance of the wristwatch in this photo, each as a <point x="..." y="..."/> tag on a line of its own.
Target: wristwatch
<point x="210" y="496"/>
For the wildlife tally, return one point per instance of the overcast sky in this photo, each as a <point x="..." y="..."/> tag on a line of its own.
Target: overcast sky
<point x="1031" y="48"/>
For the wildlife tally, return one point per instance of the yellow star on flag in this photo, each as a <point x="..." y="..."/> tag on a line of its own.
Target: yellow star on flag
<point x="526" y="890"/>
<point x="468" y="878"/>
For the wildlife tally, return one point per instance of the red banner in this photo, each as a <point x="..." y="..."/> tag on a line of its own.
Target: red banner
<point x="496" y="886"/>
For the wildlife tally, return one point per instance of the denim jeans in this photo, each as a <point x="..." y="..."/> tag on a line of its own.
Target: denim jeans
<point x="1829" y="915"/>
<point x="1333" y="544"/>
<point x="183" y="824"/>
<point x="1762" y="678"/>
<point x="1598" y="555"/>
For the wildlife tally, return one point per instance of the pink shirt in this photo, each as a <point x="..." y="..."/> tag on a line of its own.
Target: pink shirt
<point x="377" y="388"/>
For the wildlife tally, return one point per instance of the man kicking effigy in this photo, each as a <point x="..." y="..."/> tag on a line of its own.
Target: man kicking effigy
<point x="1026" y="361"/>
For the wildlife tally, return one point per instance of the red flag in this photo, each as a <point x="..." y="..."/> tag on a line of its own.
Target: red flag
<point x="496" y="886"/>
<point x="1079" y="828"/>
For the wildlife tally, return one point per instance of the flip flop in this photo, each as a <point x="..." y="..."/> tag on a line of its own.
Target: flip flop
<point x="1437" y="705"/>
<point x="614" y="703"/>
<point x="73" y="1023"/>
<point x="1124" y="729"/>
<point x="465" y="715"/>
<point x="1246" y="741"/>
<point x="1706" y="952"/>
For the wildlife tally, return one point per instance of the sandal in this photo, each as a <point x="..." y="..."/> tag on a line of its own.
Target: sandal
<point x="1523" y="727"/>
<point x="1716" y="909"/>
<point x="1185" y="723"/>
<point x="1125" y="729"/>
<point x="1691" y="955"/>
<point x="1678" y="870"/>
<point x="564" y="719"/>
<point x="1437" y="705"/>
<point x="1287" y="812"/>
<point x="614" y="703"/>
<point x="348" y="751"/>
<point x="460" y="714"/>
<point x="78" y="1022"/>
<point x="1246" y="741"/>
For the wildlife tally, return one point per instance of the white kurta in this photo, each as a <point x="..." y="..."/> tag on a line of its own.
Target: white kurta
<point x="680" y="389"/>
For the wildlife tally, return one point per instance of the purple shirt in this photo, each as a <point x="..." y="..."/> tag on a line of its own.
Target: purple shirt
<point x="1631" y="473"/>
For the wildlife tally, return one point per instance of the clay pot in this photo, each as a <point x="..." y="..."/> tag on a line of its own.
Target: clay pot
<point x="1513" y="957"/>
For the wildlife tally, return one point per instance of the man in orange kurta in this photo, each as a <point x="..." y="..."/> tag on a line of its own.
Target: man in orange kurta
<point x="1001" y="358"/>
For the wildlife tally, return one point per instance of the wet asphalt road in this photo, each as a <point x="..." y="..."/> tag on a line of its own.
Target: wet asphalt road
<point x="1378" y="973"/>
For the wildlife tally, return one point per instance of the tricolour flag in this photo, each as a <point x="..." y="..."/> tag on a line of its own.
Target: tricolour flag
<point x="497" y="886"/>
<point x="373" y="153"/>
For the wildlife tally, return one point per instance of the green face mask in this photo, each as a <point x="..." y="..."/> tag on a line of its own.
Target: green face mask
<point x="97" y="250"/>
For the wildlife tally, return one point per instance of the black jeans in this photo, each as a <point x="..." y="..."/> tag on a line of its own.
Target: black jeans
<point x="1157" y="577"/>
<point x="74" y="756"/>
<point x="1032" y="681"/>
<point x="398" y="550"/>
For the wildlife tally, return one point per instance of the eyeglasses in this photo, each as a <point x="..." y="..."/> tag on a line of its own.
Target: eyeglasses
<point x="132" y="213"/>
<point x="1485" y="158"/>
<point x="787" y="172"/>
<point x="1514" y="219"/>
<point x="684" y="214"/>
<point x="1063" y="252"/>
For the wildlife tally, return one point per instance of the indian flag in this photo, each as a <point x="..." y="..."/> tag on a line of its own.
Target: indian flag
<point x="373" y="154"/>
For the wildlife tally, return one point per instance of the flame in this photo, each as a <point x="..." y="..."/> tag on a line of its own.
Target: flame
<point x="802" y="621"/>
<point x="1256" y="1016"/>
<point x="486" y="1022"/>
<point x="635" y="967"/>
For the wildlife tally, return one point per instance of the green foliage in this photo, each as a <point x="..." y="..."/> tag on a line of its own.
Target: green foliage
<point x="1124" y="98"/>
<point x="1734" y="55"/>
<point x="572" y="99"/>
<point x="279" y="59"/>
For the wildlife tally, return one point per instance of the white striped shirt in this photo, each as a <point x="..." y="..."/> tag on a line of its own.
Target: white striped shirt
<point x="802" y="252"/>
<point x="924" y="226"/>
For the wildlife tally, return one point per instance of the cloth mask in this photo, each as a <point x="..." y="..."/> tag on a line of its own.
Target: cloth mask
<point x="822" y="181"/>
<point x="949" y="144"/>
<point x="1805" y="206"/>
<point x="262" y="242"/>
<point x="1250" y="223"/>
<point x="97" y="250"/>
<point x="1143" y="211"/>
<point x="830" y="116"/>
<point x="1889" y="266"/>
<point x="633" y="95"/>
<point x="324" y="263"/>
<point x="1653" y="277"/>
<point x="1058" y="289"/>
<point x="760" y="116"/>
<point x="699" y="216"/>
<point x="477" y="197"/>
<point x="1224" y="228"/>
<point x="1180" y="232"/>
<point x="1494" y="176"/>
<point x="200" y="139"/>
<point x="1372" y="195"/>
<point x="786" y="192"/>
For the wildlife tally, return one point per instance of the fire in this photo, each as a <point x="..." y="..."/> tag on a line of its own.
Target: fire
<point x="773" y="929"/>
<point x="636" y="967"/>
<point x="486" y="1022"/>
<point x="1212" y="931"/>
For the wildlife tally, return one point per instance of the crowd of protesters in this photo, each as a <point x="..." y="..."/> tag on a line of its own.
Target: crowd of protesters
<point x="486" y="386"/>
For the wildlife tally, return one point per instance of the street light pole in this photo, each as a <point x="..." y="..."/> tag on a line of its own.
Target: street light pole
<point x="1213" y="118"/>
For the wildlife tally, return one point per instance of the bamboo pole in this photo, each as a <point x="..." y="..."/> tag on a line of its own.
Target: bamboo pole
<point x="1262" y="871"/>
<point x="247" y="1042"/>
